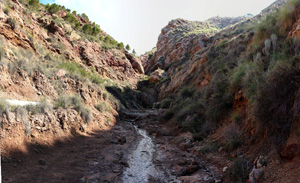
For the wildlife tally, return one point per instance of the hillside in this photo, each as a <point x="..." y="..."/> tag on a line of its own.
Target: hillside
<point x="235" y="91"/>
<point x="65" y="63"/>
<point x="215" y="101"/>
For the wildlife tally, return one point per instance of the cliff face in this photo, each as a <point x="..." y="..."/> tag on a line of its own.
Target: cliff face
<point x="181" y="51"/>
<point x="182" y="37"/>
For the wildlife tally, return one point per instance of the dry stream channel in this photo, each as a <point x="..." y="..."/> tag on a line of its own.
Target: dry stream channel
<point x="142" y="168"/>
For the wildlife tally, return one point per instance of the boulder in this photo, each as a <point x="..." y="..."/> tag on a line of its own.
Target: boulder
<point x="156" y="75"/>
<point x="136" y="63"/>
<point x="54" y="28"/>
<point x="256" y="174"/>
<point x="61" y="73"/>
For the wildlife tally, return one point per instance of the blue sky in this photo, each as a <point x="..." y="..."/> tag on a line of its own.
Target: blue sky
<point x="139" y="22"/>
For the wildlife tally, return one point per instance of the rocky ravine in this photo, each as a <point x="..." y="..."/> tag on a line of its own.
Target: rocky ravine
<point x="115" y="155"/>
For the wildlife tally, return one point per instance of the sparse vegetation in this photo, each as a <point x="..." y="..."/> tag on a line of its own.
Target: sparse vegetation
<point x="103" y="107"/>
<point x="75" y="103"/>
<point x="41" y="108"/>
<point x="77" y="72"/>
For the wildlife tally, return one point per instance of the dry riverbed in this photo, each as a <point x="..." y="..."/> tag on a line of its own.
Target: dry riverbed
<point x="123" y="154"/>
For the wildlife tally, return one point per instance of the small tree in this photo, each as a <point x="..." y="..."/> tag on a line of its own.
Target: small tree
<point x="87" y="29"/>
<point x="96" y="30"/>
<point x="54" y="8"/>
<point x="70" y="18"/>
<point x="84" y="16"/>
<point x="74" y="12"/>
<point x="133" y="51"/>
<point x="120" y="46"/>
<point x="34" y="4"/>
<point x="77" y="26"/>
<point x="47" y="6"/>
<point x="107" y="39"/>
<point x="127" y="47"/>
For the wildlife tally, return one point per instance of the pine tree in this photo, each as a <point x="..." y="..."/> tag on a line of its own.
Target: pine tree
<point x="127" y="47"/>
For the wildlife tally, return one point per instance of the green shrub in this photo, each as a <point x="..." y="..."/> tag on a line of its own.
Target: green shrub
<point x="120" y="46"/>
<point x="70" y="18"/>
<point x="127" y="47"/>
<point x="267" y="27"/>
<point x="87" y="29"/>
<point x="75" y="103"/>
<point x="237" y="117"/>
<point x="103" y="107"/>
<point x="287" y="16"/>
<point x="34" y="4"/>
<point x="23" y="64"/>
<point x="237" y="75"/>
<point x="86" y="114"/>
<point x="111" y="43"/>
<point x="77" y="25"/>
<point x="239" y="170"/>
<point x="75" y="71"/>
<point x="278" y="23"/>
<point x="166" y="103"/>
<point x="7" y="9"/>
<point x="3" y="106"/>
<point x="218" y="98"/>
<point x="133" y="52"/>
<point x="41" y="108"/>
<point x="233" y="137"/>
<point x="252" y="80"/>
<point x="22" y="115"/>
<point x="84" y="16"/>
<point x="63" y="102"/>
<point x="187" y="92"/>
<point x="277" y="101"/>
<point x="54" y="8"/>
<point x="209" y="147"/>
<point x="168" y="115"/>
<point x="95" y="31"/>
<point x="12" y="22"/>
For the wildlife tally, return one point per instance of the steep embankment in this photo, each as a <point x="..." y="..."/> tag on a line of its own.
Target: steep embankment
<point x="65" y="63"/>
<point x="236" y="91"/>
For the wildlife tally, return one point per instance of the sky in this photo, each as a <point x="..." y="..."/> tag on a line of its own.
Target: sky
<point x="139" y="22"/>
